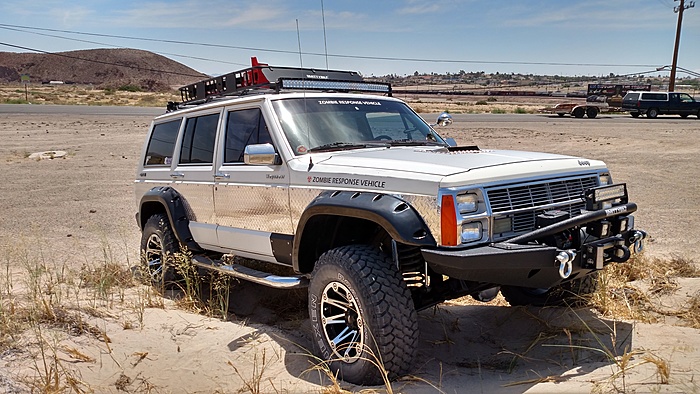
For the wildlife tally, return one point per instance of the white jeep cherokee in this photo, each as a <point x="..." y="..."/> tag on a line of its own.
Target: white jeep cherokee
<point x="368" y="207"/>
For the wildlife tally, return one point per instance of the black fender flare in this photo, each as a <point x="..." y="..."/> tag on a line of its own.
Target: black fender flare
<point x="397" y="217"/>
<point x="174" y="206"/>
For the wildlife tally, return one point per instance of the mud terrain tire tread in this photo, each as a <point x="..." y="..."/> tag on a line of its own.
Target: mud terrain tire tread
<point x="159" y="225"/>
<point x="387" y="306"/>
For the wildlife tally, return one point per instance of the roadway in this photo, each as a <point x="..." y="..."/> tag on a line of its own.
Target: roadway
<point x="459" y="118"/>
<point x="79" y="110"/>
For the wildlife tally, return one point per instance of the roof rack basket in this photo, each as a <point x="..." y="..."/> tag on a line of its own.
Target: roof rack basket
<point x="263" y="76"/>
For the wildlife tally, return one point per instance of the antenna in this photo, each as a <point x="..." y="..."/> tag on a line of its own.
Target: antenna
<point x="301" y="61"/>
<point x="325" y="44"/>
<point x="306" y="114"/>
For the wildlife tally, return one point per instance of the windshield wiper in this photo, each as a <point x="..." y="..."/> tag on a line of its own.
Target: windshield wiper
<point x="348" y="145"/>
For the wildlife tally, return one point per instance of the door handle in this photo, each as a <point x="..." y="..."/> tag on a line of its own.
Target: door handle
<point x="220" y="175"/>
<point x="176" y="175"/>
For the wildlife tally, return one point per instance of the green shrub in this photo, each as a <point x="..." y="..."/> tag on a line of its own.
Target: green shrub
<point x="16" y="101"/>
<point x="520" y="110"/>
<point x="481" y="102"/>
<point x="498" y="111"/>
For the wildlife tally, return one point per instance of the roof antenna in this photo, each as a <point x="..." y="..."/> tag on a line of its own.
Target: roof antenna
<point x="325" y="44"/>
<point x="301" y="60"/>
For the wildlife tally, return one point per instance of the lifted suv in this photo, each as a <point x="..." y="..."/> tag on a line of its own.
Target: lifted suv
<point x="367" y="206"/>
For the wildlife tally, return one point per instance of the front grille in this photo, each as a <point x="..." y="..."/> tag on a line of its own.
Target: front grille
<point x="523" y="202"/>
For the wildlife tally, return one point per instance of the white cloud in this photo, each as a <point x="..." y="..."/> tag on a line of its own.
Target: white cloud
<point x="192" y="14"/>
<point x="59" y="12"/>
<point x="420" y="8"/>
<point x="613" y="16"/>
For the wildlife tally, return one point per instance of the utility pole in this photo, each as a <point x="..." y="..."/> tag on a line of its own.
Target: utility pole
<point x="682" y="7"/>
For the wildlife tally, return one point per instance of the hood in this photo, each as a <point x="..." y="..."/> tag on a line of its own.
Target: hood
<point x="422" y="170"/>
<point x="436" y="161"/>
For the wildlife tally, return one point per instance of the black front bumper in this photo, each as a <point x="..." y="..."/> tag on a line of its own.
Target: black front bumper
<point x="522" y="262"/>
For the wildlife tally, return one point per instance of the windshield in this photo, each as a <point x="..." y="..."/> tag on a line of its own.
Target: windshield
<point x="333" y="123"/>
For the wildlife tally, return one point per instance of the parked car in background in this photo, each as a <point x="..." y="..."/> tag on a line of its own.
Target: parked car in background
<point x="653" y="104"/>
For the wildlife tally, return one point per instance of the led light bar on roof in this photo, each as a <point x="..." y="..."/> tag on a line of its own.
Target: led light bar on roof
<point x="324" y="84"/>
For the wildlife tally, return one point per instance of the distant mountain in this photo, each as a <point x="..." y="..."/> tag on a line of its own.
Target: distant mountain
<point x="101" y="67"/>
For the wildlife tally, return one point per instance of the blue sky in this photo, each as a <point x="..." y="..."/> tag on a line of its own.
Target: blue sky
<point x="473" y="35"/>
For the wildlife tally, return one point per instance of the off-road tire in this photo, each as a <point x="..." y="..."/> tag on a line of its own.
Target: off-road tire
<point x="379" y="309"/>
<point x="570" y="293"/>
<point x="652" y="113"/>
<point x="158" y="248"/>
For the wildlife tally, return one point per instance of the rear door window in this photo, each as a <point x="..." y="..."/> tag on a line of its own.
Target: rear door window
<point x="198" y="140"/>
<point x="162" y="143"/>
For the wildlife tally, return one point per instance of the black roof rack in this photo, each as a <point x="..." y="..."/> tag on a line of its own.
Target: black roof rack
<point x="262" y="76"/>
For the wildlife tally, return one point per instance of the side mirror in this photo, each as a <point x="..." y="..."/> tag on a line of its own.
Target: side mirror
<point x="261" y="154"/>
<point x="444" y="119"/>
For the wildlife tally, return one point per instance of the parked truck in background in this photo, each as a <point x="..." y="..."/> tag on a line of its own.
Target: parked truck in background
<point x="653" y="104"/>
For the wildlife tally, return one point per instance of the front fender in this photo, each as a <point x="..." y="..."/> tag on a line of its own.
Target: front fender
<point x="398" y="218"/>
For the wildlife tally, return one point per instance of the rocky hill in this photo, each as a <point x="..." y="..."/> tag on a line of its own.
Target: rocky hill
<point x="100" y="67"/>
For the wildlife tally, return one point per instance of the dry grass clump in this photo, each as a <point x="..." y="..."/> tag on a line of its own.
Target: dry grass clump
<point x="194" y="289"/>
<point x="691" y="313"/>
<point x="43" y="301"/>
<point x="619" y="292"/>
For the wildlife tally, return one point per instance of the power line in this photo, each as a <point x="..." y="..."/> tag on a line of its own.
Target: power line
<point x="119" y="46"/>
<point x="384" y="58"/>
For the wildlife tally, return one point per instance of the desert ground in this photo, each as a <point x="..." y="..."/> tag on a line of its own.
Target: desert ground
<point x="65" y="220"/>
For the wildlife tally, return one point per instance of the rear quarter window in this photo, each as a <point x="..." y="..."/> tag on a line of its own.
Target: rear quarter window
<point x="162" y="143"/>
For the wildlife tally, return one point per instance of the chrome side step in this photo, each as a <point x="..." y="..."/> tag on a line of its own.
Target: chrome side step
<point x="252" y="275"/>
